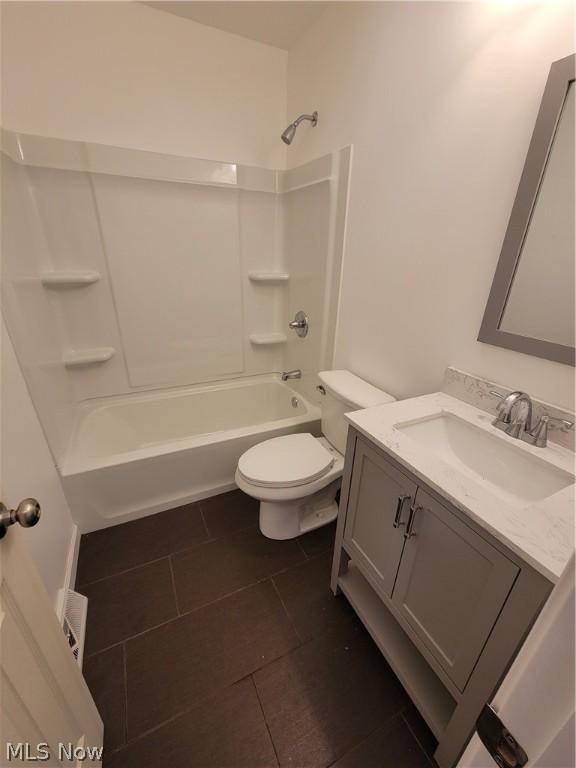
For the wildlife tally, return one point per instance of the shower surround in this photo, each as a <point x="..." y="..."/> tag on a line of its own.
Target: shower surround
<point x="135" y="281"/>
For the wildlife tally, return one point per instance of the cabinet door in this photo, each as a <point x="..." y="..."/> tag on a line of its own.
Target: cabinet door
<point x="378" y="508"/>
<point x="451" y="586"/>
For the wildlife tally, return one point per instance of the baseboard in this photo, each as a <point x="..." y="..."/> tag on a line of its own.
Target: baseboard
<point x="70" y="573"/>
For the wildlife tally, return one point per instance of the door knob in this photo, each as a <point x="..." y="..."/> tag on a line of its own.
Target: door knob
<point x="27" y="513"/>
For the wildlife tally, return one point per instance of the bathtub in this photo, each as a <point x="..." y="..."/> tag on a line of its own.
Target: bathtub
<point x="134" y="455"/>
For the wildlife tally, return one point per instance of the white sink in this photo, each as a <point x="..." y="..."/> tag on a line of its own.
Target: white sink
<point x="511" y="471"/>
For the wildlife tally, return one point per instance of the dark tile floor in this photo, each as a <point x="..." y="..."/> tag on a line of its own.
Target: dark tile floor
<point x="210" y="646"/>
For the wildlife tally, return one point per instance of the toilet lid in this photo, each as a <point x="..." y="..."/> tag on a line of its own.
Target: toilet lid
<point x="285" y="461"/>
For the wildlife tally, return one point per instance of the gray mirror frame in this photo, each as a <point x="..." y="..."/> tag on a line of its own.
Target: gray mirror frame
<point x="562" y="73"/>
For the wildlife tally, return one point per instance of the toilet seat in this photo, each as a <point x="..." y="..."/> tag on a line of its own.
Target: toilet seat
<point x="285" y="462"/>
<point x="297" y="477"/>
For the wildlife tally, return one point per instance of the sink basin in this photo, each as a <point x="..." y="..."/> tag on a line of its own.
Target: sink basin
<point x="508" y="470"/>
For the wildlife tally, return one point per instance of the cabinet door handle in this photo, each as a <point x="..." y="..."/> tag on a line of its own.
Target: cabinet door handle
<point x="408" y="533"/>
<point x="399" y="507"/>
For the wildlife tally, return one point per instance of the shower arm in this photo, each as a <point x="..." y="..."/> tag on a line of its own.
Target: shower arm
<point x="313" y="119"/>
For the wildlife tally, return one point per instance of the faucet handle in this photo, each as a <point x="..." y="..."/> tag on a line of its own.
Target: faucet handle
<point x="564" y="424"/>
<point x="300" y="323"/>
<point x="539" y="435"/>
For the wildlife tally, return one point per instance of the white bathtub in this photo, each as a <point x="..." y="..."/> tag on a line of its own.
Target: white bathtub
<point x="134" y="455"/>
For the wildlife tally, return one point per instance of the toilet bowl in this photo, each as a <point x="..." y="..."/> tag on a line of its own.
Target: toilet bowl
<point x="296" y="477"/>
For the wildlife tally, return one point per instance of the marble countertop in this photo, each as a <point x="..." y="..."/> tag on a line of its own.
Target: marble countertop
<point x="540" y="532"/>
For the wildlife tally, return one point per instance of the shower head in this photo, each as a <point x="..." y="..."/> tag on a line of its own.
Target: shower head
<point x="290" y="132"/>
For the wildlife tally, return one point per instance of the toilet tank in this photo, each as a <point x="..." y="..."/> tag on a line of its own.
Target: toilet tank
<point x="345" y="392"/>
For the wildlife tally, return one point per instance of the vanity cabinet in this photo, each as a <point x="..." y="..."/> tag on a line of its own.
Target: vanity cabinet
<point x="380" y="496"/>
<point x="450" y="586"/>
<point x="446" y="581"/>
<point x="447" y="604"/>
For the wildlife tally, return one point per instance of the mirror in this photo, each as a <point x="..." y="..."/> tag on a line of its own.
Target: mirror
<point x="531" y="305"/>
<point x="541" y="298"/>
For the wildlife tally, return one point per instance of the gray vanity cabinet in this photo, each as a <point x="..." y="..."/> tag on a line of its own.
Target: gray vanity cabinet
<point x="447" y="604"/>
<point x="380" y="499"/>
<point x="445" y="580"/>
<point x="451" y="586"/>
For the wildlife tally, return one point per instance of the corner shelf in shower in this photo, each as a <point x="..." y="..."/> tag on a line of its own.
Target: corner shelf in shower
<point x="69" y="278"/>
<point x="267" y="339"/>
<point x="268" y="277"/>
<point x="82" y="357"/>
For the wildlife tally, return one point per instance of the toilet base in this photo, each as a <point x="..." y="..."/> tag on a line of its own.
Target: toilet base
<point x="289" y="519"/>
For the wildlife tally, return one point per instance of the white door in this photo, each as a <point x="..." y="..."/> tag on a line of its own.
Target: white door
<point x="536" y="699"/>
<point x="44" y="701"/>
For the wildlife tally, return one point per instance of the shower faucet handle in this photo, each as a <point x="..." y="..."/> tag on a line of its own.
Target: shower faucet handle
<point x="300" y="323"/>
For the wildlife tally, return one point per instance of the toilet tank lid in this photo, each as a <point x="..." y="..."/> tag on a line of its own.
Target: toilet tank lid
<point x="353" y="390"/>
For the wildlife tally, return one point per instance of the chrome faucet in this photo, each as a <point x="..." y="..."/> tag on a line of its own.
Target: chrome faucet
<point x="295" y="374"/>
<point x="514" y="421"/>
<point x="517" y="422"/>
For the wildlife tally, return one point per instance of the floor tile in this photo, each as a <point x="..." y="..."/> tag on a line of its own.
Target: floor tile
<point x="227" y="731"/>
<point x="177" y="665"/>
<point x="225" y="565"/>
<point x="230" y="512"/>
<point x="104" y="674"/>
<point x="392" y="746"/>
<point x="323" y="698"/>
<point x="306" y="594"/>
<point x="124" y="605"/>
<point x="320" y="540"/>
<point x="112" y="550"/>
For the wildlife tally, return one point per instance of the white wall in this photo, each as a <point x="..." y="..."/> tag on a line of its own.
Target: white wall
<point x="27" y="469"/>
<point x="129" y="75"/>
<point x="439" y="100"/>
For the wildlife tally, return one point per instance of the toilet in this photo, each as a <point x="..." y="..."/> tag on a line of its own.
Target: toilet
<point x="296" y="477"/>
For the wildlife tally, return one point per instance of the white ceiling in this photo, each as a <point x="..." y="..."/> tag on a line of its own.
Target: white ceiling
<point x="274" y="23"/>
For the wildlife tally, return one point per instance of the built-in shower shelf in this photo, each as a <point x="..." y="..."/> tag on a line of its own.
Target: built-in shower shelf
<point x="267" y="339"/>
<point x="269" y="277"/>
<point x="69" y="278"/>
<point x="81" y="357"/>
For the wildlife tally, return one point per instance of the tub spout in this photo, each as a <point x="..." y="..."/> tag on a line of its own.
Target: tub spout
<point x="296" y="374"/>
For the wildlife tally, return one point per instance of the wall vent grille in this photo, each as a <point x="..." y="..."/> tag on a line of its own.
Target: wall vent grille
<point x="74" y="623"/>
